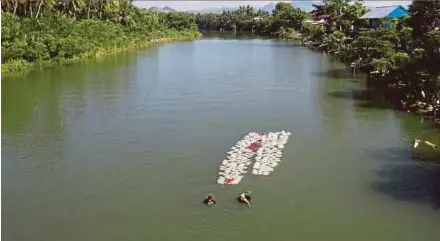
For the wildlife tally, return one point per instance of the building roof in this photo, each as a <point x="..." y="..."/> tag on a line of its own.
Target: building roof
<point x="385" y="12"/>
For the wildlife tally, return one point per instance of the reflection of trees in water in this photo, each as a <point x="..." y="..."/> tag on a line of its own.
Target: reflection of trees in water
<point x="31" y="113"/>
<point x="405" y="181"/>
<point x="340" y="84"/>
<point x="35" y="104"/>
<point x="334" y="96"/>
<point x="419" y="128"/>
<point x="415" y="128"/>
<point x="230" y="35"/>
<point x="17" y="104"/>
<point x="30" y="101"/>
<point x="401" y="179"/>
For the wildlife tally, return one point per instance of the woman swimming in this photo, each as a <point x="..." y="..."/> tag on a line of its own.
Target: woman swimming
<point x="245" y="198"/>
<point x="209" y="200"/>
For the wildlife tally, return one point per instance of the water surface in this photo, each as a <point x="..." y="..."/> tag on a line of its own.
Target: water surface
<point x="126" y="148"/>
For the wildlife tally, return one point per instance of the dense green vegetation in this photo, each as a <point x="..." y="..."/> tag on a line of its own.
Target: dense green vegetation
<point x="46" y="32"/>
<point x="283" y="22"/>
<point x="401" y="60"/>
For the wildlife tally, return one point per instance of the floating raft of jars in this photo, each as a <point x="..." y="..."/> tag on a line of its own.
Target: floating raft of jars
<point x="269" y="155"/>
<point x="266" y="146"/>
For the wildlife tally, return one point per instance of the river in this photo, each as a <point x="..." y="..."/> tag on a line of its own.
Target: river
<point x="127" y="147"/>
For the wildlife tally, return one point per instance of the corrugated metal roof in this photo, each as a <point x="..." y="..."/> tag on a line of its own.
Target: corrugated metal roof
<point x="379" y="12"/>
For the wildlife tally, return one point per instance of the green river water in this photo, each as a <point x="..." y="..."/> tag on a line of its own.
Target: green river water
<point x="127" y="147"/>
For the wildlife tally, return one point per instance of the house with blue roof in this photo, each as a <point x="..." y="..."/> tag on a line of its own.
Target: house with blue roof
<point x="378" y="16"/>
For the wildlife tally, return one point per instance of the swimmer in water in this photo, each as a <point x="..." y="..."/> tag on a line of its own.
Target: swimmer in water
<point x="245" y="198"/>
<point x="209" y="200"/>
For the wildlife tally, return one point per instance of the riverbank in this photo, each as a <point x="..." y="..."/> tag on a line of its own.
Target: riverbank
<point x="22" y="66"/>
<point x="394" y="82"/>
<point x="398" y="96"/>
<point x="36" y="36"/>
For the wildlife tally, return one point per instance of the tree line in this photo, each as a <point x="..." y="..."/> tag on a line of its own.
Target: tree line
<point x="283" y="19"/>
<point x="38" y="33"/>
<point x="402" y="59"/>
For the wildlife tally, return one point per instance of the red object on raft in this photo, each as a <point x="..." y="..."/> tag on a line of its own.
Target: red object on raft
<point x="254" y="146"/>
<point x="229" y="180"/>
